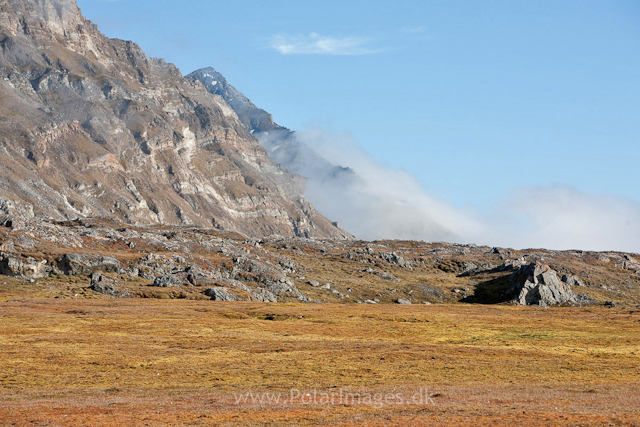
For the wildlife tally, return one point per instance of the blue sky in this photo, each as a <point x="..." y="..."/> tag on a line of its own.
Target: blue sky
<point x="474" y="98"/>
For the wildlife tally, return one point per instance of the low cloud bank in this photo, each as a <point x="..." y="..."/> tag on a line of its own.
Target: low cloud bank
<point x="566" y="218"/>
<point x="378" y="202"/>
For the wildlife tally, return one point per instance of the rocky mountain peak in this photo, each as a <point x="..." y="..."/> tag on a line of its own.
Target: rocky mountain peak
<point x="254" y="118"/>
<point x="282" y="144"/>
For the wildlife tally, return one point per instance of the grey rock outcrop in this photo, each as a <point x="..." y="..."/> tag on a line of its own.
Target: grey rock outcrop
<point x="29" y="268"/>
<point x="107" y="286"/>
<point x="166" y="281"/>
<point x="221" y="294"/>
<point x="512" y="264"/>
<point x="630" y="263"/>
<point x="263" y="295"/>
<point x="395" y="259"/>
<point x="538" y="284"/>
<point x="77" y="264"/>
<point x="198" y="259"/>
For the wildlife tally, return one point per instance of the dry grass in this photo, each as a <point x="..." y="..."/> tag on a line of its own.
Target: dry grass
<point x="157" y="362"/>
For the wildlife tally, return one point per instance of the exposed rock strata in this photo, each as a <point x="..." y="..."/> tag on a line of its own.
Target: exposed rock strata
<point x="92" y="127"/>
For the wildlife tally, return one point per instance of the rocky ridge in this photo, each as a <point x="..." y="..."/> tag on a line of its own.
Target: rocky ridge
<point x="93" y="258"/>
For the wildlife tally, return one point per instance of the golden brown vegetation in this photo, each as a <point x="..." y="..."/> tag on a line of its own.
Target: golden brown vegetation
<point x="176" y="362"/>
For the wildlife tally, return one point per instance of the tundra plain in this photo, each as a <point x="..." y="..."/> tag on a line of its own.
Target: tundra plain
<point x="104" y="362"/>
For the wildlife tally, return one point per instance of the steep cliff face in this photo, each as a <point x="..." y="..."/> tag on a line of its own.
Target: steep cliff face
<point x="92" y="127"/>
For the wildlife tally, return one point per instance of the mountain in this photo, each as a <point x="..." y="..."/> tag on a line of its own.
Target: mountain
<point x="92" y="127"/>
<point x="282" y="144"/>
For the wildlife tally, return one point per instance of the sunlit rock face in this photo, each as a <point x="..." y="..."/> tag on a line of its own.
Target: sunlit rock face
<point x="92" y="127"/>
<point x="538" y="284"/>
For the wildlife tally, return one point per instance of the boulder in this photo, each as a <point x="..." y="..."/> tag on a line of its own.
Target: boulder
<point x="282" y="285"/>
<point x="630" y="263"/>
<point x="263" y="295"/>
<point x="403" y="301"/>
<point x="166" y="281"/>
<point x="220" y="294"/>
<point x="395" y="259"/>
<point x="538" y="284"/>
<point x="512" y="264"/>
<point x="28" y="268"/>
<point x="105" y="285"/>
<point x="503" y="253"/>
<point x="471" y="268"/>
<point x="258" y="294"/>
<point x="251" y="270"/>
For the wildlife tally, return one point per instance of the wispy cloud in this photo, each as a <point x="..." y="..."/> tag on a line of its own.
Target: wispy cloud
<point x="413" y="30"/>
<point x="315" y="44"/>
